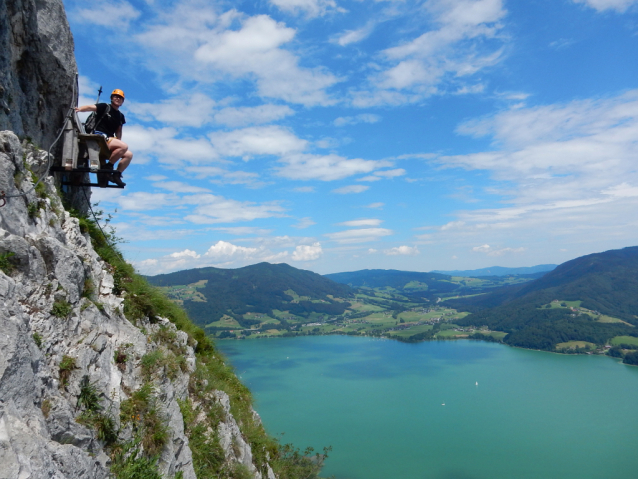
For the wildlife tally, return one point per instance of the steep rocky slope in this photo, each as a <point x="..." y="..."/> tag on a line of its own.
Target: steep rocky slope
<point x="37" y="68"/>
<point x="100" y="374"/>
<point x="81" y="386"/>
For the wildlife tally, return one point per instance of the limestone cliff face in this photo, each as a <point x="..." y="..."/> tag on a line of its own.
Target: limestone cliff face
<point x="37" y="68"/>
<point x="62" y="327"/>
<point x="84" y="390"/>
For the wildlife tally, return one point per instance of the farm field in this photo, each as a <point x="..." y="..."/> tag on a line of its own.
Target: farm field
<point x="624" y="340"/>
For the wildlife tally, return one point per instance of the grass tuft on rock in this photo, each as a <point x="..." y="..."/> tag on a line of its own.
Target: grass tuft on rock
<point x="61" y="308"/>
<point x="46" y="408"/>
<point x="131" y="463"/>
<point x="7" y="262"/>
<point x="67" y="365"/>
<point x="89" y="397"/>
<point x="142" y="412"/>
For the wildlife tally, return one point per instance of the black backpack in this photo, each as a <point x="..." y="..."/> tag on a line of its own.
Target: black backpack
<point x="92" y="121"/>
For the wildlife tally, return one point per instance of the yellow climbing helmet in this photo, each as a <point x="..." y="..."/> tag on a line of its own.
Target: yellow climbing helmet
<point x="119" y="92"/>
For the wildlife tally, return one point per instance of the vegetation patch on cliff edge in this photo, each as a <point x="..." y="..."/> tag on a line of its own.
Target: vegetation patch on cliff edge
<point x="211" y="373"/>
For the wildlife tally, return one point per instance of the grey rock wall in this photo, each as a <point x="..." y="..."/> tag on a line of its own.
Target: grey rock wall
<point x="232" y="441"/>
<point x="37" y="68"/>
<point x="40" y="436"/>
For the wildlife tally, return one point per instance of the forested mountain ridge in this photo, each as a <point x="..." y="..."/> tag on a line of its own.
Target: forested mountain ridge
<point x="605" y="283"/>
<point x="499" y="271"/>
<point x="430" y="286"/>
<point x="267" y="300"/>
<point x="380" y="278"/>
<point x="259" y="288"/>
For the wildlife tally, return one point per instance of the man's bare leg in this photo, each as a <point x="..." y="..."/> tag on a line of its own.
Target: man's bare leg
<point x="118" y="150"/>
<point x="125" y="161"/>
<point x="120" y="155"/>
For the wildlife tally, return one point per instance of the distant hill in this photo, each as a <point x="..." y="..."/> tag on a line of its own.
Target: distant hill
<point x="210" y="293"/>
<point x="595" y="285"/>
<point x="400" y="280"/>
<point x="424" y="285"/>
<point x="499" y="271"/>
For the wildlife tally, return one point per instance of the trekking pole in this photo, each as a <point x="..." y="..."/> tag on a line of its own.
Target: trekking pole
<point x="99" y="92"/>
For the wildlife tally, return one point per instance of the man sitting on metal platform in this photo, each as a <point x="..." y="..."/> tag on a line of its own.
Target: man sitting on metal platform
<point x="108" y="123"/>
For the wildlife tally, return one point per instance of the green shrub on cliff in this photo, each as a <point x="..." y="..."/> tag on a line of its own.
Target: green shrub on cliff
<point x="61" y="308"/>
<point x="66" y="366"/>
<point x="131" y="463"/>
<point x="7" y="263"/>
<point x="89" y="397"/>
<point x="211" y="373"/>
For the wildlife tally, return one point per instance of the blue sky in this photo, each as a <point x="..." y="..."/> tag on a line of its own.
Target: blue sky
<point x="341" y="135"/>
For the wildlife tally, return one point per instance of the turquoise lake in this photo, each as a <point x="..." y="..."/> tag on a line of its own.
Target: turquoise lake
<point x="392" y="410"/>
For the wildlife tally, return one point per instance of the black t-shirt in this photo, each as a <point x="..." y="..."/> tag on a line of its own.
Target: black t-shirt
<point x="108" y="122"/>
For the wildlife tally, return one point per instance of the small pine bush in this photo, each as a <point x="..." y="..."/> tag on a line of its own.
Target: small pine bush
<point x="7" y="263"/>
<point x="61" y="308"/>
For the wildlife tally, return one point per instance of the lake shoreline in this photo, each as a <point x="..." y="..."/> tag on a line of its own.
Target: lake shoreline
<point x="380" y="403"/>
<point x="449" y="338"/>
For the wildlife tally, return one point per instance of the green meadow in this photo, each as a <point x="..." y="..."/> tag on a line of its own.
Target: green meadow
<point x="618" y="340"/>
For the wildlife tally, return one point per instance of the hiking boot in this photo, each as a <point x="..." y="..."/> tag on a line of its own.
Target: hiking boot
<point x="116" y="177"/>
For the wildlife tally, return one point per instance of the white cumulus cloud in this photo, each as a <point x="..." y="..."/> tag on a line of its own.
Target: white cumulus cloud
<point x="619" y="6"/>
<point x="194" y="110"/>
<point x="311" y="8"/>
<point x="353" y="120"/>
<point x="304" y="223"/>
<point x="254" y="49"/>
<point x="257" y="140"/>
<point x="102" y="13"/>
<point x="362" y="235"/>
<point x="306" y="166"/>
<point x="187" y="253"/>
<point x="252" y="115"/>
<point x="487" y="249"/>
<point x="345" y="190"/>
<point x="402" y="250"/>
<point x="211" y="209"/>
<point x="224" y="251"/>
<point x="354" y="36"/>
<point x="461" y="41"/>
<point x="362" y="222"/>
<point x="167" y="147"/>
<point x="565" y="169"/>
<point x="180" y="187"/>
<point x="307" y="252"/>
